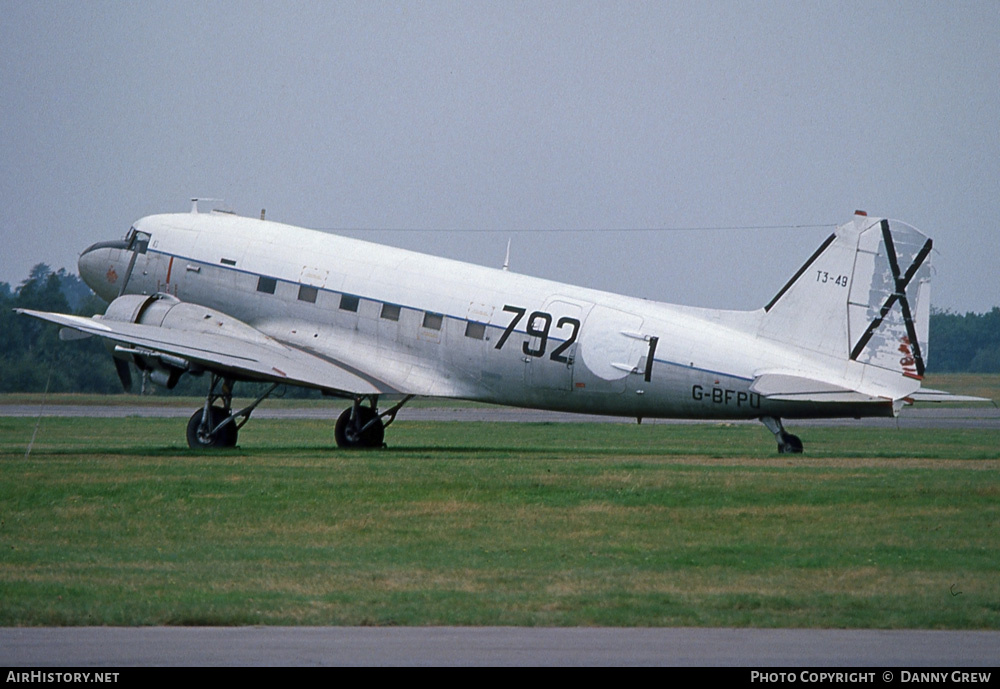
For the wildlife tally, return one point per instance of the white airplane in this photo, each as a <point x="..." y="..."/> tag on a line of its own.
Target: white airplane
<point x="252" y="300"/>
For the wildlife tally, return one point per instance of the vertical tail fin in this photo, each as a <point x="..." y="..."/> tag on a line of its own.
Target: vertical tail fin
<point x="864" y="295"/>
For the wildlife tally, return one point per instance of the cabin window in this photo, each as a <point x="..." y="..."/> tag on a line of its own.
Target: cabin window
<point x="348" y="302"/>
<point x="266" y="285"/>
<point x="433" y="321"/>
<point x="308" y="293"/>
<point x="477" y="331"/>
<point x="390" y="312"/>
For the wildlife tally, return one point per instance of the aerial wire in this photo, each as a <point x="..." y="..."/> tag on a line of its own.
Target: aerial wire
<point x="475" y="230"/>
<point x="41" y="409"/>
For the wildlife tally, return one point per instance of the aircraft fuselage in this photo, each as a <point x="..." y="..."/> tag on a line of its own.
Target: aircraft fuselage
<point x="414" y="324"/>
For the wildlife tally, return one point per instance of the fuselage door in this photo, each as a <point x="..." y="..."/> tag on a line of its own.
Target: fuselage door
<point x="612" y="349"/>
<point x="551" y="347"/>
<point x="470" y="342"/>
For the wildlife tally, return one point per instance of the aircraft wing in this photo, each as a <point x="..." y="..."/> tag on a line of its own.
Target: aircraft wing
<point x="237" y="350"/>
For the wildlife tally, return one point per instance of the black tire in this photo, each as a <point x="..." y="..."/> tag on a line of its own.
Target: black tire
<point x="348" y="438"/>
<point x="199" y="439"/>
<point x="790" y="444"/>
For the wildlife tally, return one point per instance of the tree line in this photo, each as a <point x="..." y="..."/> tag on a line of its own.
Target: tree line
<point x="33" y="359"/>
<point x="964" y="343"/>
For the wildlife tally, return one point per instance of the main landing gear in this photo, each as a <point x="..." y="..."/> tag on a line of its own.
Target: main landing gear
<point x="216" y="425"/>
<point x="787" y="443"/>
<point x="363" y="426"/>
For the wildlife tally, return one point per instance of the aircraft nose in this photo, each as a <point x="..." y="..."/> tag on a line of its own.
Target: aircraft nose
<point x="88" y="266"/>
<point x="99" y="268"/>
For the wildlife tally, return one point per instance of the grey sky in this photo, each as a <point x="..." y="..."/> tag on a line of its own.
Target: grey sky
<point x="508" y="116"/>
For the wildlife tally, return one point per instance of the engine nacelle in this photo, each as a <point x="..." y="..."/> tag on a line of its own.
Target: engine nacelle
<point x="139" y="308"/>
<point x="167" y="311"/>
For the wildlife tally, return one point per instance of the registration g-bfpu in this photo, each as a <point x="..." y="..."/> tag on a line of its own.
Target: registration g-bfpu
<point x="233" y="299"/>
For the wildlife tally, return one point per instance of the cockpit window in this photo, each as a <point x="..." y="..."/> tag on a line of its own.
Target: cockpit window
<point x="136" y="241"/>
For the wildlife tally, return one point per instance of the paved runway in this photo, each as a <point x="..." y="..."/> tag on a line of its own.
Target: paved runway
<point x="114" y="647"/>
<point x="980" y="416"/>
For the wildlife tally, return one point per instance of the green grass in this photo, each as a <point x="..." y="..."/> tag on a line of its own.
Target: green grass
<point x="116" y="522"/>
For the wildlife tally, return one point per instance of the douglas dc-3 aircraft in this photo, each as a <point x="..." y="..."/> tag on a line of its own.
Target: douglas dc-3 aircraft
<point x="244" y="299"/>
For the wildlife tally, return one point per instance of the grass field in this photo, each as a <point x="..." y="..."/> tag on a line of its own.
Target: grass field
<point x="116" y="522"/>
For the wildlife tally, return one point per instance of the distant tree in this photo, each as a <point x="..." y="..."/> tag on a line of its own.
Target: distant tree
<point x="31" y="354"/>
<point x="42" y="290"/>
<point x="986" y="361"/>
<point x="10" y="331"/>
<point x="38" y="272"/>
<point x="969" y="342"/>
<point x="75" y="290"/>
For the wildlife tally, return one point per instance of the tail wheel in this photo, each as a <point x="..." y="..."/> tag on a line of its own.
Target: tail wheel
<point x="357" y="433"/>
<point x="789" y="444"/>
<point x="200" y="436"/>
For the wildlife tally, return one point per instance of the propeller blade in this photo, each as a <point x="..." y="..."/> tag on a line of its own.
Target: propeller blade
<point x="124" y="373"/>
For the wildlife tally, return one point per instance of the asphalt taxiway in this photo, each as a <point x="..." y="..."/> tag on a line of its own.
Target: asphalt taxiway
<point x="116" y="647"/>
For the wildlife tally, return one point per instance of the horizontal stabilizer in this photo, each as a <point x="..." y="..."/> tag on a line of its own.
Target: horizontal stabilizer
<point x="928" y="395"/>
<point x="790" y="387"/>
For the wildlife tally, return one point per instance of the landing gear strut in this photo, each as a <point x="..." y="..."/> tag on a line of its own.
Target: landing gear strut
<point x="787" y="443"/>
<point x="216" y="425"/>
<point x="363" y="426"/>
